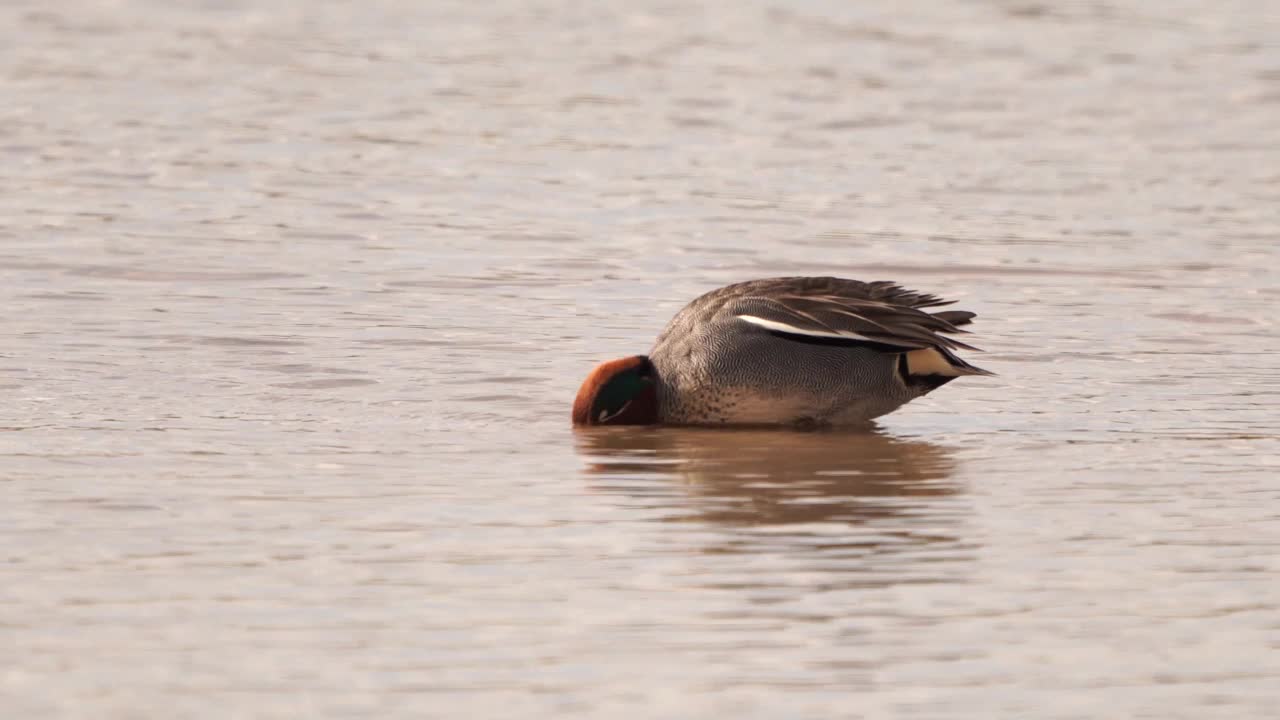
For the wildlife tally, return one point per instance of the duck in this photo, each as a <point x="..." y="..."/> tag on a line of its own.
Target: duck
<point x="787" y="351"/>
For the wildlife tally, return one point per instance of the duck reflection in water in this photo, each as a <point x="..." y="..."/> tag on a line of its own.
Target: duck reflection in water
<point x="865" y="492"/>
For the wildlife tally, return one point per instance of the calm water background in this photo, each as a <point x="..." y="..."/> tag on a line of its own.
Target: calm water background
<point x="296" y="296"/>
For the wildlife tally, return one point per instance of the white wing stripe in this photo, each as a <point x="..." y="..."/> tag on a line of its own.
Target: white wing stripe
<point x="785" y="328"/>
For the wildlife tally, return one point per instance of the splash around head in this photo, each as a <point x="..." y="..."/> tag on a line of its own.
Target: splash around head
<point x="618" y="392"/>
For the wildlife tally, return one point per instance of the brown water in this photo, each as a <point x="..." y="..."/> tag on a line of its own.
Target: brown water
<point x="297" y="295"/>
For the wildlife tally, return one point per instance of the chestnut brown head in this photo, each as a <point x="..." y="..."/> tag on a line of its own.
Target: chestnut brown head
<point x="618" y="392"/>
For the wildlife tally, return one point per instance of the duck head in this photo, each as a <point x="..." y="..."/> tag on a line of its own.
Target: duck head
<point x="618" y="392"/>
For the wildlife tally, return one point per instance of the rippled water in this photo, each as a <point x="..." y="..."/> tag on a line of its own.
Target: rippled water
<point x="297" y="296"/>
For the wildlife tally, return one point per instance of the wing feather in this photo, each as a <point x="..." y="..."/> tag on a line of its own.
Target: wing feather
<point x="877" y="312"/>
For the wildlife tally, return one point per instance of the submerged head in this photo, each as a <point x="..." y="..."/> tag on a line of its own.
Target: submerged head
<point x="618" y="392"/>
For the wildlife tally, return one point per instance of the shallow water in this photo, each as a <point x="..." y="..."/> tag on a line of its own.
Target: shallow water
<point x="298" y="296"/>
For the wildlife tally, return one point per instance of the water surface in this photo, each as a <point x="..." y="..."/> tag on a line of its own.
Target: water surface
<point x="298" y="294"/>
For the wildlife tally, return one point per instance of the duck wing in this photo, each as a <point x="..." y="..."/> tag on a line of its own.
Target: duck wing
<point x="849" y="311"/>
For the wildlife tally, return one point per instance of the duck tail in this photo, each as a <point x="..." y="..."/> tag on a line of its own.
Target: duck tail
<point x="937" y="361"/>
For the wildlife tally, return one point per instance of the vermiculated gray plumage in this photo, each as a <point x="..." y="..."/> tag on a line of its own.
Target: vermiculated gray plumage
<point x="804" y="350"/>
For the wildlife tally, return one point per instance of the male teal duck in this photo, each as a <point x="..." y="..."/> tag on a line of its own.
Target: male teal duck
<point x="800" y="351"/>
